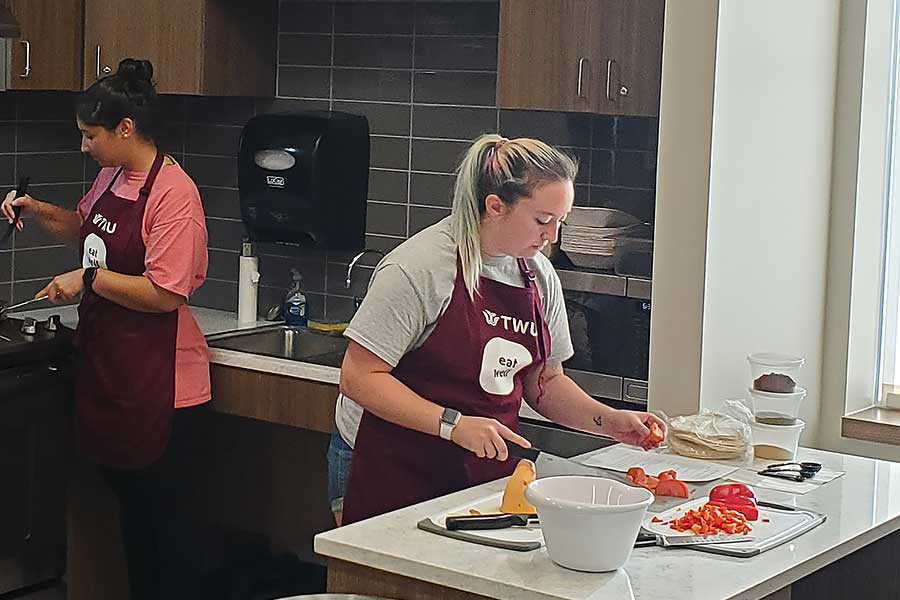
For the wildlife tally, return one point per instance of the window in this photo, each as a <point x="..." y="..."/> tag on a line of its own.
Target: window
<point x="887" y="384"/>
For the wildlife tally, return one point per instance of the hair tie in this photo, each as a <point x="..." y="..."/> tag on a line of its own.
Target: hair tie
<point x="493" y="161"/>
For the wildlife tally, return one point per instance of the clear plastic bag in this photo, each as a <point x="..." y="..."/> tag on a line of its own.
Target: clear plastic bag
<point x="714" y="435"/>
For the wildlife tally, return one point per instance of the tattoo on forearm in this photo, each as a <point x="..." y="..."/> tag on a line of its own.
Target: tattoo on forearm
<point x="598" y="420"/>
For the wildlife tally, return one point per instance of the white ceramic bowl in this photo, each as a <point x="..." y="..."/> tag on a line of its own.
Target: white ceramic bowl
<point x="589" y="523"/>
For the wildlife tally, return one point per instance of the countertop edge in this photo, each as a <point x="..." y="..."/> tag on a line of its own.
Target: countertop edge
<point x="434" y="574"/>
<point x="275" y="366"/>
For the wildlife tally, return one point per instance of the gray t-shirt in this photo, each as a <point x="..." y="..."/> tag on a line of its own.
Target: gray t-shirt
<point x="410" y="290"/>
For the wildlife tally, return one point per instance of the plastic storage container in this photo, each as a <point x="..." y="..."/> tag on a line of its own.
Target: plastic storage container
<point x="589" y="523"/>
<point x="776" y="442"/>
<point x="777" y="409"/>
<point x="777" y="373"/>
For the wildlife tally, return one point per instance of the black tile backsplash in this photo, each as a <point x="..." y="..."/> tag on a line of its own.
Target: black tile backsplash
<point x="304" y="49"/>
<point x="386" y="52"/>
<point x="370" y="17"/>
<point x="423" y="73"/>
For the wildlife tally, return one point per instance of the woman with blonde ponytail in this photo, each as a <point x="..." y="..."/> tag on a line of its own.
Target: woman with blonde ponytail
<point x="461" y="323"/>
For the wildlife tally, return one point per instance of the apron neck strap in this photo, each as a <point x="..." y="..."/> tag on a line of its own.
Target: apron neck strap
<point x="526" y="272"/>
<point x="151" y="176"/>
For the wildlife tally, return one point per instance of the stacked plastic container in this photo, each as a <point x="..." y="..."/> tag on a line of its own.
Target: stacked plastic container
<point x="776" y="400"/>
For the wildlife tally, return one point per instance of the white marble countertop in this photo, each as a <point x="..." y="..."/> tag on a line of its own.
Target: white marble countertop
<point x="861" y="506"/>
<point x="214" y="322"/>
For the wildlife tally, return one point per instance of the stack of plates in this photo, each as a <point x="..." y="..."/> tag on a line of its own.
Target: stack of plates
<point x="590" y="235"/>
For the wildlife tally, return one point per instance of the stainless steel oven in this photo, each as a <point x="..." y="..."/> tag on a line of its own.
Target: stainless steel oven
<point x="609" y="320"/>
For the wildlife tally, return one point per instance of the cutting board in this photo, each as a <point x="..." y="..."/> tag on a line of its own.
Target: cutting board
<point x="521" y="539"/>
<point x="784" y="524"/>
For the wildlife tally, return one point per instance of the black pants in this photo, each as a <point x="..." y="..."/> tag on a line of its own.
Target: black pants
<point x="148" y="508"/>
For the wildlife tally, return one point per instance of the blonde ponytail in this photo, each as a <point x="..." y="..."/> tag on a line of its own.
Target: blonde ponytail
<point x="512" y="169"/>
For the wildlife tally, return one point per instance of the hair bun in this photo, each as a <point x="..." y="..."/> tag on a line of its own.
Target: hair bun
<point x="131" y="69"/>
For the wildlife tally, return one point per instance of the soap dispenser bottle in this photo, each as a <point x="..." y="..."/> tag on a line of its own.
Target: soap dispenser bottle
<point x="295" y="303"/>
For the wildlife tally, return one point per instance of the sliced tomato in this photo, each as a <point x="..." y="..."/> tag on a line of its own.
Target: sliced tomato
<point x="636" y="475"/>
<point x="655" y="437"/>
<point x="672" y="487"/>
<point x="670" y="474"/>
<point x="656" y="520"/>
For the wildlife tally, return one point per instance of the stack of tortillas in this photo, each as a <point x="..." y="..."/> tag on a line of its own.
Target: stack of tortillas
<point x="709" y="435"/>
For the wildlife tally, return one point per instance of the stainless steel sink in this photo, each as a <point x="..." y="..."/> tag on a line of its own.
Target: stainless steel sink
<point x="283" y="342"/>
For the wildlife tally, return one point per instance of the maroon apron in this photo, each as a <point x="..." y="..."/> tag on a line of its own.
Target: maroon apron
<point x="125" y="382"/>
<point x="474" y="361"/>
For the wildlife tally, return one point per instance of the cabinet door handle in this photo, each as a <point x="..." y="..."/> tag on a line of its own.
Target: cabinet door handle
<point x="609" y="64"/>
<point x="27" y="70"/>
<point x="105" y="70"/>
<point x="581" y="63"/>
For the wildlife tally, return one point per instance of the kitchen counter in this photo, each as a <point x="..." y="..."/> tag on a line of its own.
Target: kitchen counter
<point x="862" y="507"/>
<point x="213" y="322"/>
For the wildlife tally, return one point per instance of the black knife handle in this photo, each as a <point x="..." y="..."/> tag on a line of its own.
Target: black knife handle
<point x="484" y="522"/>
<point x="21" y="190"/>
<point x="517" y="451"/>
<point x="789" y="475"/>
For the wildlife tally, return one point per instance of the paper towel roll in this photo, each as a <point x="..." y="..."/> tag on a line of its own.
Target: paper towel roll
<point x="248" y="283"/>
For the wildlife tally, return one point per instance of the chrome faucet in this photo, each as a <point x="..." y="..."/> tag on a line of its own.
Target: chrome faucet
<point x="356" y="300"/>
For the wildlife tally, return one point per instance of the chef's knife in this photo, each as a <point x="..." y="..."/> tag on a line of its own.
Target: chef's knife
<point x="645" y="538"/>
<point x="674" y="541"/>
<point x="550" y="465"/>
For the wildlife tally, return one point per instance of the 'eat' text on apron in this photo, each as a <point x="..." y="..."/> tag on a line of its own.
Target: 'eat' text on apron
<point x="474" y="361"/>
<point x="125" y="383"/>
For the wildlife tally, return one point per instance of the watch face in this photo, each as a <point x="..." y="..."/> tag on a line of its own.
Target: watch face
<point x="450" y="416"/>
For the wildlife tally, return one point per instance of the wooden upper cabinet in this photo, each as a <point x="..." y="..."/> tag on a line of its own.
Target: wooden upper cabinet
<point x="629" y="55"/>
<point x="48" y="55"/>
<point x="543" y="55"/>
<point x="209" y="47"/>
<point x="602" y="56"/>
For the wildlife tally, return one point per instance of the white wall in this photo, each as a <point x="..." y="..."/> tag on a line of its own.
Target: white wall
<point x="769" y="193"/>
<point x="682" y="189"/>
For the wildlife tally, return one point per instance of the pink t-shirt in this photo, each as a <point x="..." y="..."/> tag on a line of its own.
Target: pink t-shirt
<point x="174" y="234"/>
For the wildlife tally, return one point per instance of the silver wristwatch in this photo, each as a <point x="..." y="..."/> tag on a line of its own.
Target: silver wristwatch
<point x="449" y="420"/>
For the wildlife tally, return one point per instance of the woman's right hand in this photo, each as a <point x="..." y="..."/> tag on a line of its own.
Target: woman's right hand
<point x="486" y="437"/>
<point x="12" y="201"/>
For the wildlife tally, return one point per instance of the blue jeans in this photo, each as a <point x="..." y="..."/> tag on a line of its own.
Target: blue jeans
<point x="340" y="454"/>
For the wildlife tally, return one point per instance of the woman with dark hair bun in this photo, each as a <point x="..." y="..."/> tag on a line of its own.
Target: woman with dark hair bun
<point x="143" y="364"/>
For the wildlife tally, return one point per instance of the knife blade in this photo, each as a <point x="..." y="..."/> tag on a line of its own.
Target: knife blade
<point x="550" y="465"/>
<point x="674" y="541"/>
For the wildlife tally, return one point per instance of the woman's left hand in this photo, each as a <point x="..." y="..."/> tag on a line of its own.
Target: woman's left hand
<point x="64" y="288"/>
<point x="632" y="427"/>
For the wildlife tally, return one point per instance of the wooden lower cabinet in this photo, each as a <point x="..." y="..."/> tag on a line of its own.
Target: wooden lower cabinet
<point x="255" y="466"/>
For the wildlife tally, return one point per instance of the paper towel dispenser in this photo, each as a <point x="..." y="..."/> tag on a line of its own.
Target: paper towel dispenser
<point x="303" y="178"/>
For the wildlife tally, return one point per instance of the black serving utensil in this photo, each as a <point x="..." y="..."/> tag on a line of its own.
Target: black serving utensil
<point x="487" y="522"/>
<point x="792" y="471"/>
<point x="21" y="190"/>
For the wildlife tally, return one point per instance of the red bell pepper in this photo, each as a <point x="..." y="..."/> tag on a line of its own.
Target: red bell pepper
<point x="736" y="496"/>
<point x="732" y="491"/>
